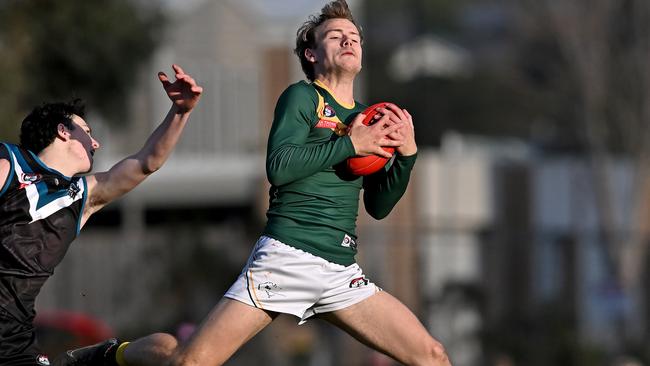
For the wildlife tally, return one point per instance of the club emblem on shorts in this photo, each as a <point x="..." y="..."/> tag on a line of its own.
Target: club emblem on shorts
<point x="348" y="242"/>
<point x="270" y="288"/>
<point x="42" y="360"/>
<point x="358" y="282"/>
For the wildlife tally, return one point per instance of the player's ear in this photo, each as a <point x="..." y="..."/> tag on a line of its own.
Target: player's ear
<point x="310" y="56"/>
<point x="62" y="132"/>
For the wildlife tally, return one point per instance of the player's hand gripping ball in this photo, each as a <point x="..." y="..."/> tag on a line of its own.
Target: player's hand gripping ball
<point x="366" y="165"/>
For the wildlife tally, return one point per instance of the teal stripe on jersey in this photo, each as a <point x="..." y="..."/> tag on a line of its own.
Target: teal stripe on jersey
<point x="44" y="197"/>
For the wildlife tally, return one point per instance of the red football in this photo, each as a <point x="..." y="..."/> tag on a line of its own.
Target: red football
<point x="365" y="165"/>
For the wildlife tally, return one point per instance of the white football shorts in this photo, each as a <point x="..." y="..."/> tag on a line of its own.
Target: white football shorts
<point x="283" y="279"/>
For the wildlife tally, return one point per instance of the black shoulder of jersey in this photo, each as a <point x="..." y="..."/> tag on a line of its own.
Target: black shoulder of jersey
<point x="5" y="154"/>
<point x="4" y="150"/>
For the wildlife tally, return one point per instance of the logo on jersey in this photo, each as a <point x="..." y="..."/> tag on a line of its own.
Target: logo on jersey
<point x="323" y="123"/>
<point x="29" y="178"/>
<point x="327" y="118"/>
<point x="348" y="242"/>
<point x="42" y="360"/>
<point x="328" y="111"/>
<point x="358" y="282"/>
<point x="42" y="201"/>
<point x="73" y="190"/>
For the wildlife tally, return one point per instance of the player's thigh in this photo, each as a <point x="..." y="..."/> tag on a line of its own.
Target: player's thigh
<point x="385" y="324"/>
<point x="228" y="326"/>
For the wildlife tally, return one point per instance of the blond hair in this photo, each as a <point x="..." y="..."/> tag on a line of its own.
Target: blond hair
<point x="306" y="38"/>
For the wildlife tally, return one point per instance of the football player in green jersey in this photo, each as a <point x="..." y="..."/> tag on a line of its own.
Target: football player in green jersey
<point x="303" y="264"/>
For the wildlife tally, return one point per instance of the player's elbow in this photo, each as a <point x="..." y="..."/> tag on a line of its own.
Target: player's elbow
<point x="376" y="210"/>
<point x="377" y="213"/>
<point x="166" y="345"/>
<point x="380" y="215"/>
<point x="149" y="169"/>
<point x="275" y="176"/>
<point x="274" y="179"/>
<point x="279" y="169"/>
<point x="150" y="165"/>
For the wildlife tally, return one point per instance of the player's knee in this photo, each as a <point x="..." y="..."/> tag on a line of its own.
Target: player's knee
<point x="165" y="344"/>
<point x="437" y="353"/>
<point x="182" y="360"/>
<point x="432" y="353"/>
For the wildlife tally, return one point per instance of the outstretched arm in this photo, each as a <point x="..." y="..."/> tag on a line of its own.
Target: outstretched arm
<point x="127" y="174"/>
<point x="5" y="167"/>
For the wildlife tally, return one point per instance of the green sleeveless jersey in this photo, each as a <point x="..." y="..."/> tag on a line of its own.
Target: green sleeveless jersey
<point x="313" y="201"/>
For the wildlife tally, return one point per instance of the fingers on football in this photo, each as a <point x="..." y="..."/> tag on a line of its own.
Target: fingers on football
<point x="397" y="136"/>
<point x="398" y="111"/>
<point x="408" y="117"/>
<point x="391" y="129"/>
<point x="389" y="142"/>
<point x="394" y="118"/>
<point x="381" y="122"/>
<point x="381" y="152"/>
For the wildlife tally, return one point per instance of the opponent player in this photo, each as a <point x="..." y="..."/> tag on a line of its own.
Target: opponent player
<point x="44" y="202"/>
<point x="304" y="264"/>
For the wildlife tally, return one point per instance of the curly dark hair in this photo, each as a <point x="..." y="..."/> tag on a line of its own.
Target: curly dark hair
<point x="39" y="128"/>
<point x="306" y="38"/>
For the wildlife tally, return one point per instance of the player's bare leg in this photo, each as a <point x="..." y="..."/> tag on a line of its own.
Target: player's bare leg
<point x="385" y="324"/>
<point x="154" y="349"/>
<point x="228" y="326"/>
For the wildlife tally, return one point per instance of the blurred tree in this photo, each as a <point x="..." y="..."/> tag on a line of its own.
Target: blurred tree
<point x="58" y="50"/>
<point x="605" y="46"/>
<point x="569" y="76"/>
<point x="485" y="94"/>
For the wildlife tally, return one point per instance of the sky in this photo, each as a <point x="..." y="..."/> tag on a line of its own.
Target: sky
<point x="284" y="8"/>
<point x="272" y="9"/>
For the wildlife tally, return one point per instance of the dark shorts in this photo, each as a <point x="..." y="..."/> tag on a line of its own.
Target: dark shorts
<point x="18" y="346"/>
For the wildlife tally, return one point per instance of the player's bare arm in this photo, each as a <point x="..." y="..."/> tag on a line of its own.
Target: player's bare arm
<point x="106" y="186"/>
<point x="5" y="166"/>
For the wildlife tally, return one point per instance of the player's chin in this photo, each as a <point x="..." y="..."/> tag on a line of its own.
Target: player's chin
<point x="350" y="63"/>
<point x="352" y="69"/>
<point x="89" y="168"/>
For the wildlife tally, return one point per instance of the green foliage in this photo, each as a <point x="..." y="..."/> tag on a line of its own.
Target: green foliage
<point x="58" y="50"/>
